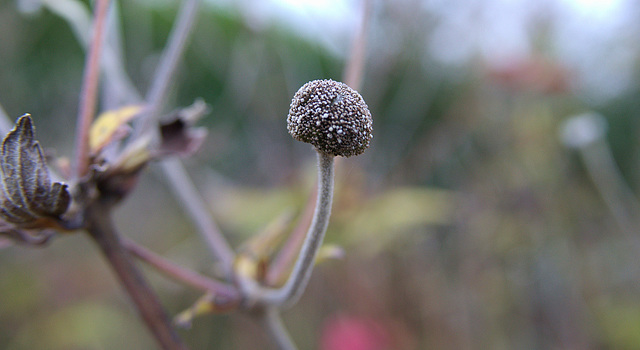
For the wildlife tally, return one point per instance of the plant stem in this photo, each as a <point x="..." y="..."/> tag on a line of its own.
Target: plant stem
<point x="181" y="274"/>
<point x="272" y="321"/>
<point x="164" y="74"/>
<point x="184" y="190"/>
<point x="297" y="281"/>
<point x="88" y="97"/>
<point x="355" y="65"/>
<point x="101" y="229"/>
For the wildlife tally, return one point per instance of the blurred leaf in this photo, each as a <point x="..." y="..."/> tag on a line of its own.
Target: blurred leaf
<point x="329" y="252"/>
<point x="27" y="191"/>
<point x="82" y="326"/>
<point x="254" y="255"/>
<point x="378" y="221"/>
<point x="207" y="304"/>
<point x="111" y="126"/>
<point x="621" y="323"/>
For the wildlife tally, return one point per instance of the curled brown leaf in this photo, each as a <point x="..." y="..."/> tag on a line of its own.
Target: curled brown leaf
<point x="27" y="194"/>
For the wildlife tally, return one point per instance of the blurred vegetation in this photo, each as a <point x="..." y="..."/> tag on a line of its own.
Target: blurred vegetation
<point x="468" y="224"/>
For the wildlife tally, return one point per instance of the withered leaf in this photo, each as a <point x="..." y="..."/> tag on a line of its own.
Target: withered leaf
<point x="178" y="136"/>
<point x="27" y="192"/>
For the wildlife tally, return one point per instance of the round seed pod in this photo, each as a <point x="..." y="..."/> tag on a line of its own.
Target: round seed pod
<point x="332" y="117"/>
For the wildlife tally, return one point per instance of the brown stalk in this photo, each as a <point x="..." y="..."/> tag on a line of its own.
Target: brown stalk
<point x="88" y="96"/>
<point x="101" y="229"/>
<point x="181" y="274"/>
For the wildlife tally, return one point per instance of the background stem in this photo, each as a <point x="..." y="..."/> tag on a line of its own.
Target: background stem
<point x="197" y="208"/>
<point x="272" y="321"/>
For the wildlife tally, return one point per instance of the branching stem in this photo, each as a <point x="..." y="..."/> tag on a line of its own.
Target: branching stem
<point x="181" y="274"/>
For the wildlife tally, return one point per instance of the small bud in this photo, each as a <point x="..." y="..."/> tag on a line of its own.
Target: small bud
<point x="332" y="117"/>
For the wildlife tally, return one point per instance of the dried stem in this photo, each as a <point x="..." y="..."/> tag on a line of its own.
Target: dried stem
<point x="180" y="274"/>
<point x="352" y="75"/>
<point x="196" y="207"/>
<point x="164" y="74"/>
<point x="101" y="229"/>
<point x="88" y="96"/>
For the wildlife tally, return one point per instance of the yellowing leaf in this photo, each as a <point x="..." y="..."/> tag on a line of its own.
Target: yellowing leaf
<point x="206" y="304"/>
<point x="109" y="124"/>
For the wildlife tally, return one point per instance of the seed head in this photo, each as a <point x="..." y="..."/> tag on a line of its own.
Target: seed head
<point x="332" y="117"/>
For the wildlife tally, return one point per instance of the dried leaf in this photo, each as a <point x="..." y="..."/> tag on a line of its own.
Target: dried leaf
<point x="27" y="192"/>
<point x="178" y="135"/>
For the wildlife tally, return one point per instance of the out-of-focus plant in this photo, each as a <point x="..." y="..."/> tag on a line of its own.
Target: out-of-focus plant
<point x="39" y="201"/>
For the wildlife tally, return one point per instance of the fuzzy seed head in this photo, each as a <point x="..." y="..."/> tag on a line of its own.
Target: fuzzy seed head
<point x="332" y="117"/>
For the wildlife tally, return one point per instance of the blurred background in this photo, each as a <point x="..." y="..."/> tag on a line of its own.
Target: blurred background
<point x="485" y="215"/>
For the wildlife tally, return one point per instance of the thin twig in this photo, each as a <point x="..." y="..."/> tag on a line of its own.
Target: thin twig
<point x="180" y="274"/>
<point x="188" y="196"/>
<point x="281" y="264"/>
<point x="78" y="17"/>
<point x="272" y="321"/>
<point x="88" y="96"/>
<point x="354" y="69"/>
<point x="101" y="229"/>
<point x="164" y="74"/>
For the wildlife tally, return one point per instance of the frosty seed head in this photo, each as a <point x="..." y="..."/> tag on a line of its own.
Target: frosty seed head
<point x="332" y="117"/>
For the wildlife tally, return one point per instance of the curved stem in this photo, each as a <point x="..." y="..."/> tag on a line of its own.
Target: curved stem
<point x="101" y="229"/>
<point x="297" y="281"/>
